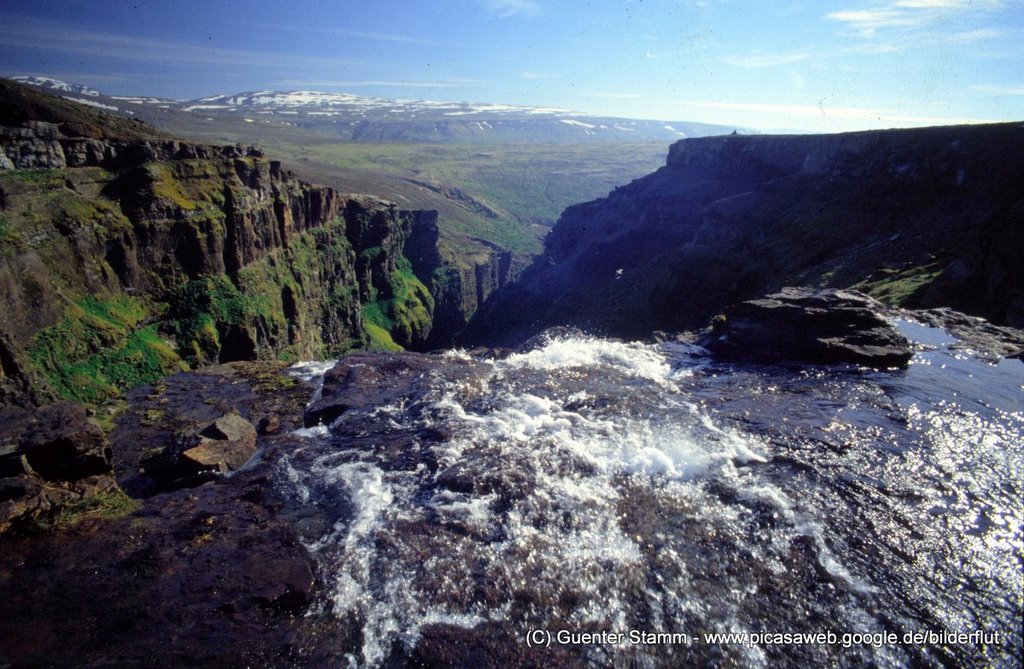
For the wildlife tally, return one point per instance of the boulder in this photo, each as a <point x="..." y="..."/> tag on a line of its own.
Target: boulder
<point x="61" y="444"/>
<point x="809" y="326"/>
<point x="49" y="457"/>
<point x="223" y="446"/>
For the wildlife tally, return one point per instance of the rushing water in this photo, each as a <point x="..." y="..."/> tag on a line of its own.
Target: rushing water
<point x="593" y="486"/>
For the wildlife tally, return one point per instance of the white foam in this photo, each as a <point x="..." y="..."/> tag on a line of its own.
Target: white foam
<point x="632" y="358"/>
<point x="549" y="483"/>
<point x="311" y="370"/>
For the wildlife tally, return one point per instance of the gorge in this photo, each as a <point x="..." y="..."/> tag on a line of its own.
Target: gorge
<point x="212" y="452"/>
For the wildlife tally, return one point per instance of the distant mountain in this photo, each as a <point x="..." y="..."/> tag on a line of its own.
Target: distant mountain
<point x="58" y="86"/>
<point x="358" y="118"/>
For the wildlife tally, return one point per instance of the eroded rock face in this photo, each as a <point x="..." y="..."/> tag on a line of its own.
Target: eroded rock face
<point x="214" y="575"/>
<point x="922" y="218"/>
<point x="42" y="145"/>
<point x="48" y="458"/>
<point x="808" y="326"/>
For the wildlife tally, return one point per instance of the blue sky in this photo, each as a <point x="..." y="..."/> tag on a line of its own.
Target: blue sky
<point x="809" y="66"/>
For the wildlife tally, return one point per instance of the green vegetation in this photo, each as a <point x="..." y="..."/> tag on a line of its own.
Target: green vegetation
<point x="525" y="186"/>
<point x="378" y="339"/>
<point x="896" y="286"/>
<point x="105" y="505"/>
<point x="201" y="309"/>
<point x="99" y="349"/>
<point x="188" y="184"/>
<point x="11" y="240"/>
<point x="404" y="310"/>
<point x="43" y="178"/>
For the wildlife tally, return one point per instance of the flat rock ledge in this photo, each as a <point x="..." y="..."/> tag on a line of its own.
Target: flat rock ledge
<point x="801" y="325"/>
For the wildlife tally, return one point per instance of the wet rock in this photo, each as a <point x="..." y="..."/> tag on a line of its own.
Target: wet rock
<point x="223" y="446"/>
<point x="61" y="444"/>
<point x="269" y="425"/>
<point x="487" y="645"/>
<point x="988" y="340"/>
<point x="282" y="585"/>
<point x="364" y="381"/>
<point x="809" y="326"/>
<point x="195" y="578"/>
<point x="49" y="458"/>
<point x="210" y="576"/>
<point x="210" y="413"/>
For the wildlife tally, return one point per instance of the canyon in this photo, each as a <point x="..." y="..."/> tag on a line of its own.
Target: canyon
<point x="250" y="420"/>
<point x="918" y="218"/>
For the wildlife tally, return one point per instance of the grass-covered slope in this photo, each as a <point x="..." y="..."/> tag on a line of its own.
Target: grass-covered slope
<point x="125" y="256"/>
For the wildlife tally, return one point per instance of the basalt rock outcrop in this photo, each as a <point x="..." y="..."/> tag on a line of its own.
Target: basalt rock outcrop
<point x="808" y="326"/>
<point x="49" y="458"/>
<point x="126" y="255"/>
<point x="207" y="576"/>
<point x="919" y="218"/>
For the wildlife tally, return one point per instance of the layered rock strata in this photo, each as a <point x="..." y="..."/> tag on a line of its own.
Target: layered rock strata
<point x="927" y="217"/>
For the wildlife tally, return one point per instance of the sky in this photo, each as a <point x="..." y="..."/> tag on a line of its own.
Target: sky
<point x="821" y="66"/>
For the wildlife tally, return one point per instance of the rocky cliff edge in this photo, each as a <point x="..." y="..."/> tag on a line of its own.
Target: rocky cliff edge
<point x="926" y="217"/>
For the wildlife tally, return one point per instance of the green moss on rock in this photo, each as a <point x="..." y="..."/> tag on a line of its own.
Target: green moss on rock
<point x="404" y="309"/>
<point x="378" y="339"/>
<point x="896" y="287"/>
<point x="105" y="505"/>
<point x="201" y="310"/>
<point x="188" y="184"/>
<point x="100" y="349"/>
<point x="11" y="239"/>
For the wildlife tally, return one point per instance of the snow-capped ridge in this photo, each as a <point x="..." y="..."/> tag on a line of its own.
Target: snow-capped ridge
<point x="57" y="85"/>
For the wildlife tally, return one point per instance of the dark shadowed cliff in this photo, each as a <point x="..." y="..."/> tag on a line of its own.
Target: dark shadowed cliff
<point x="919" y="218"/>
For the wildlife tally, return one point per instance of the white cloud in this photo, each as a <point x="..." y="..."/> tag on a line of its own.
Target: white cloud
<point x="764" y="59"/>
<point x="869" y="21"/>
<point x="999" y="90"/>
<point x="508" y="8"/>
<point x="909" y="13"/>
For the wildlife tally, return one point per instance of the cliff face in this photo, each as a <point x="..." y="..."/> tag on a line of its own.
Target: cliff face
<point x="919" y="218"/>
<point x="462" y="283"/>
<point x="124" y="259"/>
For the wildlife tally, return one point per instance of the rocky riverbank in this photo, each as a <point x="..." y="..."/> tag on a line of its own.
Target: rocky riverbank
<point x="197" y="571"/>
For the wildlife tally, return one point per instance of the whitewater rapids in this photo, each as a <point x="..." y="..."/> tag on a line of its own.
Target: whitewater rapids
<point x="600" y="489"/>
